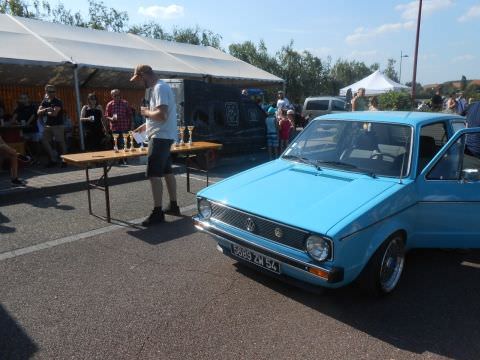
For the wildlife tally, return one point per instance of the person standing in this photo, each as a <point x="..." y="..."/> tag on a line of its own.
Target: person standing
<point x="161" y="129"/>
<point x="52" y="109"/>
<point x="92" y="117"/>
<point x="359" y="102"/>
<point x="26" y="114"/>
<point x="473" y="120"/>
<point x="373" y="104"/>
<point x="461" y="104"/>
<point x="119" y="115"/>
<point x="437" y="101"/>
<point x="451" y="104"/>
<point x="285" y="129"/>
<point x="282" y="101"/>
<point x="272" y="133"/>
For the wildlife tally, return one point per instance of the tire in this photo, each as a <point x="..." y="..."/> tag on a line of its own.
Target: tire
<point x="384" y="270"/>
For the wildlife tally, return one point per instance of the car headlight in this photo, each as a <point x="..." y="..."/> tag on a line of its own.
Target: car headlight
<point x="204" y="208"/>
<point x="318" y="248"/>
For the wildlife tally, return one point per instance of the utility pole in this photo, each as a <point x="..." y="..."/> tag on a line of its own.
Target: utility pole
<point x="414" y="81"/>
<point x="402" y="55"/>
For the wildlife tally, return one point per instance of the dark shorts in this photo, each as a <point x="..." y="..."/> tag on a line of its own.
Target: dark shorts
<point x="159" y="160"/>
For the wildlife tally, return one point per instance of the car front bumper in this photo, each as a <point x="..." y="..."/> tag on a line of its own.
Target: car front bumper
<point x="303" y="272"/>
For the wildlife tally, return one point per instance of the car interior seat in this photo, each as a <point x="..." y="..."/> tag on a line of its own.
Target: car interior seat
<point x="426" y="151"/>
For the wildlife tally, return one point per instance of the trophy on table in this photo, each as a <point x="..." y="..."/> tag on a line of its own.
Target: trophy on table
<point x="132" y="148"/>
<point x="115" y="142"/>
<point x="182" y="135"/>
<point x="125" y="143"/>
<point x="190" y="132"/>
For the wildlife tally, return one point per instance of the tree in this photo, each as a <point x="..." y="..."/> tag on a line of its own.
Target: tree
<point x="390" y="70"/>
<point x="463" y="83"/>
<point x="16" y="8"/>
<point x="196" y="36"/>
<point x="346" y="72"/>
<point x="151" y="30"/>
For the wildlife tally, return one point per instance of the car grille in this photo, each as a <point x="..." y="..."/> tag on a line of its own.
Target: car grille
<point x="294" y="238"/>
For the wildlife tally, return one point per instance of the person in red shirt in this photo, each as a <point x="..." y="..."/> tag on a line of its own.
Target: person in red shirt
<point x="285" y="129"/>
<point x="119" y="115"/>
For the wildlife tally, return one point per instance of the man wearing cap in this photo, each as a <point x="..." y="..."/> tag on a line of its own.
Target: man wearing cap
<point x="161" y="128"/>
<point x="52" y="108"/>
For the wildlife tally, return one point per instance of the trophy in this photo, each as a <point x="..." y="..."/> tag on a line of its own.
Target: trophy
<point x="115" y="142"/>
<point x="190" y="131"/>
<point x="182" y="135"/>
<point x="125" y="142"/>
<point x="132" y="148"/>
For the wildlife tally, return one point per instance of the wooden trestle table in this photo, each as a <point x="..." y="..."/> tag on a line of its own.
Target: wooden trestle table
<point x="108" y="158"/>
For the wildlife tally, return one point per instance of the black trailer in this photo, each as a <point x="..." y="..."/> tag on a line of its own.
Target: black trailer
<point x="220" y="114"/>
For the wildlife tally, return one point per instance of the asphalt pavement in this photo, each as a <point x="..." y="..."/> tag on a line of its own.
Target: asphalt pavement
<point x="75" y="287"/>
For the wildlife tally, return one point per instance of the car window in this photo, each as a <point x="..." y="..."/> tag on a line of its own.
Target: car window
<point x="432" y="138"/>
<point x="457" y="163"/>
<point x="338" y="105"/>
<point x="317" y="105"/>
<point x="358" y="146"/>
<point x="458" y="125"/>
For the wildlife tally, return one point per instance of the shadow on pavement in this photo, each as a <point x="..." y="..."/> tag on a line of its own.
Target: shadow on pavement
<point x="174" y="228"/>
<point x="435" y="309"/>
<point x="48" y="202"/>
<point x="14" y="341"/>
<point x="5" y="229"/>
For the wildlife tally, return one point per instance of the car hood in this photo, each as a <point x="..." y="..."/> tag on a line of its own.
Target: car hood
<point x="296" y="194"/>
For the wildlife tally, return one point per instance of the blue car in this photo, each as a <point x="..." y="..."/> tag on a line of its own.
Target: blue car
<point x="350" y="195"/>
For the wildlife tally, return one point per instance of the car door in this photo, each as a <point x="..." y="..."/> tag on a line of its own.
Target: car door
<point x="449" y="196"/>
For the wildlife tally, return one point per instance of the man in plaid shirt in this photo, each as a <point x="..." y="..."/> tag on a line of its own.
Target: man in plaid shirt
<point x="119" y="115"/>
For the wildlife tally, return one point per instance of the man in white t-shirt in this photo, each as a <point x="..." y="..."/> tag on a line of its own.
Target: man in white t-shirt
<point x="161" y="128"/>
<point x="282" y="101"/>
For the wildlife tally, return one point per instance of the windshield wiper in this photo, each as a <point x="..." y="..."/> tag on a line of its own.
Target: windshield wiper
<point x="302" y="160"/>
<point x="349" y="166"/>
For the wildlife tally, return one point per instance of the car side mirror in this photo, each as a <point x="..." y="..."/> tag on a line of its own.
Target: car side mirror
<point x="470" y="175"/>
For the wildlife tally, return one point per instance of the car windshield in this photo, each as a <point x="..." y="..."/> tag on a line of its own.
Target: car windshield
<point x="373" y="148"/>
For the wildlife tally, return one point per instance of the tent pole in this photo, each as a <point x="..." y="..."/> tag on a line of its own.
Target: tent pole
<point x="79" y="106"/>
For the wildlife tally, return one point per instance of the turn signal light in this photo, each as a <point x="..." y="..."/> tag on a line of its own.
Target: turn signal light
<point x="319" y="272"/>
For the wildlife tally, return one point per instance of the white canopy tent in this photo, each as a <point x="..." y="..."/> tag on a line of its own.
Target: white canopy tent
<point x="35" y="52"/>
<point x="375" y="84"/>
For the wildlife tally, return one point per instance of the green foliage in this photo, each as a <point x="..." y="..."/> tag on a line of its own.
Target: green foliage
<point x="396" y="101"/>
<point x="463" y="83"/>
<point x="16" y="8"/>
<point x="346" y="72"/>
<point x="472" y="91"/>
<point x="390" y="70"/>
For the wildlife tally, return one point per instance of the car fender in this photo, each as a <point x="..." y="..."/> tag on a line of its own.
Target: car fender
<point x="357" y="249"/>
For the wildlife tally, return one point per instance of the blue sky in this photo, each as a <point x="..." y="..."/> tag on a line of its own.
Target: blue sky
<point x="369" y="31"/>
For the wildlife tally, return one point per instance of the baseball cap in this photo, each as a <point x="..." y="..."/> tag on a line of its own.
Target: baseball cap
<point x="290" y="112"/>
<point x="141" y="70"/>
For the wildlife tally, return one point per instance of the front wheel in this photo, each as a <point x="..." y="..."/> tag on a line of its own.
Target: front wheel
<point x="383" y="271"/>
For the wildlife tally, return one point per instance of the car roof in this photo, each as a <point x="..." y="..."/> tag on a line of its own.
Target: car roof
<point x="325" y="98"/>
<point x="412" y="118"/>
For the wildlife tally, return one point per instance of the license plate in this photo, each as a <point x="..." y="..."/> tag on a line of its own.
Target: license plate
<point x="256" y="258"/>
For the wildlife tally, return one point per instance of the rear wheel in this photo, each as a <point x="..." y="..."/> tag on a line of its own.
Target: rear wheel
<point x="384" y="270"/>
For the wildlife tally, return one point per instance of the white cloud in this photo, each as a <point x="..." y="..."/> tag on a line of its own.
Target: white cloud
<point x="362" y="34"/>
<point x="320" y="52"/>
<point x="162" y="12"/>
<point x="410" y="10"/>
<point x="462" y="58"/>
<point x="473" y="12"/>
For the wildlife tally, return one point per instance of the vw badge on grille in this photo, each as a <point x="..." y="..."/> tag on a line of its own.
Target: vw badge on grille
<point x="249" y="225"/>
<point x="278" y="232"/>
